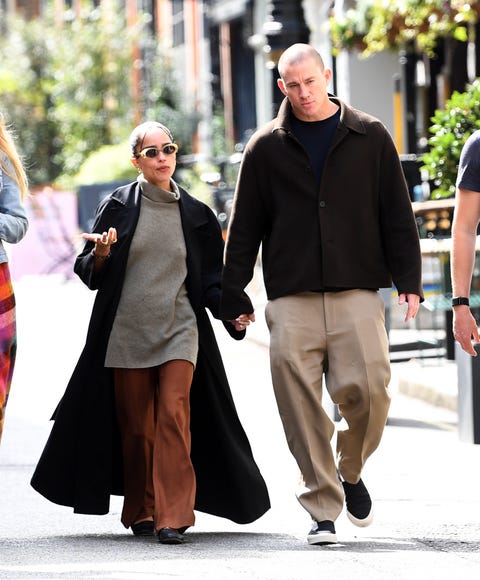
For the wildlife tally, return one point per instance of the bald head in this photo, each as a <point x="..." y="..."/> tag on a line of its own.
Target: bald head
<point x="297" y="53"/>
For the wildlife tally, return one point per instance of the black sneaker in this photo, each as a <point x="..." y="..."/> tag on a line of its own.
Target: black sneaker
<point x="359" y="503"/>
<point x="322" y="533"/>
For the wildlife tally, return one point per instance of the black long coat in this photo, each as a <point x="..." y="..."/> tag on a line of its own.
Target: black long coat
<point x="81" y="465"/>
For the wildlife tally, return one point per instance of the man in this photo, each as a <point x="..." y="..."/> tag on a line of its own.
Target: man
<point x="466" y="218"/>
<point x="322" y="189"/>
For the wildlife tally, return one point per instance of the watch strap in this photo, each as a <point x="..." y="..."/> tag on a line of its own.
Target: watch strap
<point x="460" y="301"/>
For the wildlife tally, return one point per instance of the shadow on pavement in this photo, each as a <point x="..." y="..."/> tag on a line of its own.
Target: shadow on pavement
<point x="214" y="545"/>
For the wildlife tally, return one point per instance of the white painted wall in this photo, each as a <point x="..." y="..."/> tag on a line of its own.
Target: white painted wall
<point x="368" y="84"/>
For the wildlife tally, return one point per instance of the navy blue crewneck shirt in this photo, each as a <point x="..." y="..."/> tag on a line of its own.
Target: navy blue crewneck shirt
<point x="316" y="137"/>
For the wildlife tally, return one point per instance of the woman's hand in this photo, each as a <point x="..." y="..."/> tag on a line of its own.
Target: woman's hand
<point x="102" y="242"/>
<point x="241" y="322"/>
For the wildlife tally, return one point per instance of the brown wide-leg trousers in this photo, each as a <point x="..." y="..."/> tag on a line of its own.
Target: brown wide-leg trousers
<point x="342" y="336"/>
<point x="153" y="412"/>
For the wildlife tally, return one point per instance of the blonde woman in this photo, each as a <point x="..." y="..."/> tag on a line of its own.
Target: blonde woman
<point x="13" y="226"/>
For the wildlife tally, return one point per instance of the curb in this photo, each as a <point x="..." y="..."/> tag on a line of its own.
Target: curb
<point x="434" y="383"/>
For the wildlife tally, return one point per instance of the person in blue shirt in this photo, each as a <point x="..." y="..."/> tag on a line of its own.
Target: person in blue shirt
<point x="13" y="226"/>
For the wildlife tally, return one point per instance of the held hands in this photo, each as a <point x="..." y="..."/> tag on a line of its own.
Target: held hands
<point x="241" y="322"/>
<point x="465" y="328"/>
<point x="102" y="242"/>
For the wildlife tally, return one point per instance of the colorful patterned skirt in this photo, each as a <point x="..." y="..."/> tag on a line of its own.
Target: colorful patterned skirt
<point x="8" y="338"/>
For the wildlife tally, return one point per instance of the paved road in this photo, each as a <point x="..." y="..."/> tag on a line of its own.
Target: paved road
<point x="424" y="481"/>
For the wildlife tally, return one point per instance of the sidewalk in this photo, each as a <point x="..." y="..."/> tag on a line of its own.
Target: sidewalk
<point x="424" y="528"/>
<point x="432" y="380"/>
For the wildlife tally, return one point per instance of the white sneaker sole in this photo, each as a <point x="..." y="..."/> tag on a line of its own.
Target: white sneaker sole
<point x="322" y="538"/>
<point x="361" y="523"/>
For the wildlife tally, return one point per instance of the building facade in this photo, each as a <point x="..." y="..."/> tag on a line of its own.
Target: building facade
<point x="225" y="54"/>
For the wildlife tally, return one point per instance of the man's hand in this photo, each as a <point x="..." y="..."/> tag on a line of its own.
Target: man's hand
<point x="413" y="302"/>
<point x="465" y="328"/>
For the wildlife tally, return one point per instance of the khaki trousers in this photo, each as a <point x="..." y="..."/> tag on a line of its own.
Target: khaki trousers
<point x="153" y="412"/>
<point x="340" y="336"/>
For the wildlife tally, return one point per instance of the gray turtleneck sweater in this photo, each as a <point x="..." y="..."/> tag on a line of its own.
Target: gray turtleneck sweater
<point x="154" y="322"/>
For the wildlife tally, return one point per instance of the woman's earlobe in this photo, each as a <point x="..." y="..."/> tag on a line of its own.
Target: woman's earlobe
<point x="134" y="162"/>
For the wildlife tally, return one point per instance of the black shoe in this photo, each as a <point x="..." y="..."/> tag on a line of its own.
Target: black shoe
<point x="145" y="528"/>
<point x="359" y="503"/>
<point x="170" y="536"/>
<point x="322" y="533"/>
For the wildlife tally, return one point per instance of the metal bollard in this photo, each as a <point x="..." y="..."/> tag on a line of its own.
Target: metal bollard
<point x="468" y="373"/>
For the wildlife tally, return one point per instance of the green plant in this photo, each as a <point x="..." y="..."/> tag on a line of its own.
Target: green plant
<point x="190" y="178"/>
<point x="348" y="28"/>
<point x="63" y="87"/>
<point x="109" y="163"/>
<point x="219" y="141"/>
<point x="25" y="78"/>
<point x="66" y="87"/>
<point x="450" y="128"/>
<point x="376" y="25"/>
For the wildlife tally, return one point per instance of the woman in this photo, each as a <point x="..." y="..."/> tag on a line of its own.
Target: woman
<point x="148" y="412"/>
<point x="13" y="226"/>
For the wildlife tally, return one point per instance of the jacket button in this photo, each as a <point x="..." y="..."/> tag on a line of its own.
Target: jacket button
<point x="323" y="204"/>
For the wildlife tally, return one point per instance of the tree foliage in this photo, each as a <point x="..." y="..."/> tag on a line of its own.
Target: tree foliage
<point x="376" y="25"/>
<point x="89" y="86"/>
<point x="450" y="128"/>
<point x="66" y="89"/>
<point x="25" y="75"/>
<point x="161" y="95"/>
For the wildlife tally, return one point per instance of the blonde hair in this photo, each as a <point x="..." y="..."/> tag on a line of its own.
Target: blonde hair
<point x="10" y="160"/>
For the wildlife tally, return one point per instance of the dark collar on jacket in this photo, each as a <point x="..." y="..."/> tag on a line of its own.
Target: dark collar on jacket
<point x="127" y="194"/>
<point x="349" y="117"/>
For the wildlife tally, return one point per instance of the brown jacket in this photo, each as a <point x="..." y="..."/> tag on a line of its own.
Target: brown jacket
<point x="355" y="230"/>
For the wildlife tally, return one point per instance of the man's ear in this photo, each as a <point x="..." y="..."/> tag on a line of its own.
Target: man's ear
<point x="328" y="75"/>
<point x="281" y="86"/>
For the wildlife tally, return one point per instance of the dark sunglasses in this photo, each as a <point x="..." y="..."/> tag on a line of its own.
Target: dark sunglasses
<point x="151" y="152"/>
